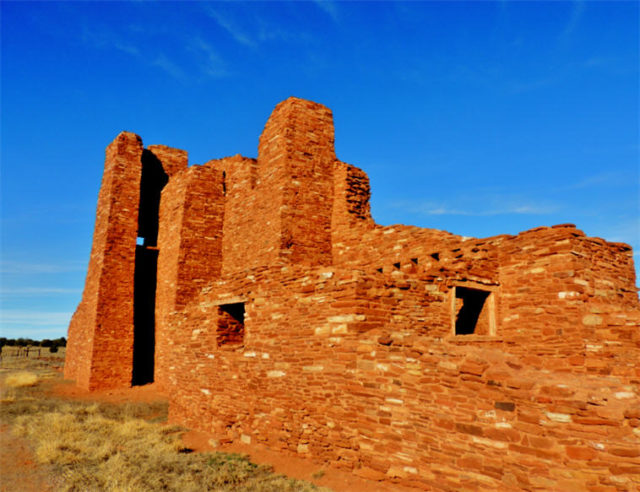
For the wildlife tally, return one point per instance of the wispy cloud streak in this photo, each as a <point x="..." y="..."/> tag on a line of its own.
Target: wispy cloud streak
<point x="170" y="67"/>
<point x="443" y="209"/>
<point x="108" y="39"/>
<point x="626" y="230"/>
<point x="577" y="13"/>
<point x="329" y="7"/>
<point x="31" y="318"/>
<point x="230" y="27"/>
<point x="206" y="60"/>
<point x="36" y="291"/>
<point x="17" y="267"/>
<point x="214" y="65"/>
<point x="612" y="178"/>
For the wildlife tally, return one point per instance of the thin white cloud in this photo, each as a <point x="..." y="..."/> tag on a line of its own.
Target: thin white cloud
<point x="596" y="62"/>
<point x="610" y="65"/>
<point x="108" y="39"/>
<point x="11" y="318"/>
<point x="36" y="291"/>
<point x="508" y="209"/>
<point x="613" y="178"/>
<point x="266" y="31"/>
<point x="232" y="28"/>
<point x="626" y="230"/>
<point x="213" y="64"/>
<point x="520" y="87"/>
<point x="526" y="210"/>
<point x="169" y="66"/>
<point x="18" y="267"/>
<point x="329" y="7"/>
<point x="577" y="12"/>
<point x="35" y="333"/>
<point x="126" y="48"/>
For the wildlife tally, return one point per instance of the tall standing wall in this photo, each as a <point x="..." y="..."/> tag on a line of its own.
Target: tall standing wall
<point x="111" y="335"/>
<point x="100" y="351"/>
<point x="295" y="166"/>
<point x="190" y="244"/>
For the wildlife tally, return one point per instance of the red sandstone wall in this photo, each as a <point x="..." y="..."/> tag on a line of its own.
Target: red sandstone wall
<point x="351" y="198"/>
<point x="173" y="160"/>
<point x="190" y="243"/>
<point x="414" y="250"/>
<point x="243" y="214"/>
<point x="295" y="162"/>
<point x="351" y="213"/>
<point x="557" y="282"/>
<point x="613" y="306"/>
<point x="101" y="332"/>
<point x="80" y="340"/>
<point x="357" y="363"/>
<point x="361" y="371"/>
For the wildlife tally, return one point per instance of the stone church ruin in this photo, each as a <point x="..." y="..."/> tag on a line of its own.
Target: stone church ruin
<point x="261" y="296"/>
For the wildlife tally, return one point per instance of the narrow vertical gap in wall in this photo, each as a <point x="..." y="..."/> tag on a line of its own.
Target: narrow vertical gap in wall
<point x="472" y="314"/>
<point x="145" y="278"/>
<point x="144" y="303"/>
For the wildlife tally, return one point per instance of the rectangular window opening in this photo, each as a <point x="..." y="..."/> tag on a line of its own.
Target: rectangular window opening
<point x="473" y="311"/>
<point x="230" y="329"/>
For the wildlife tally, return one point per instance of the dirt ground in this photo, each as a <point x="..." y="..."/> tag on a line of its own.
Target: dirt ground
<point x="19" y="471"/>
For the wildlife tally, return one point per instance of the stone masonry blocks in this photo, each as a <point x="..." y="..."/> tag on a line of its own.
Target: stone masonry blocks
<point x="282" y="314"/>
<point x="101" y="338"/>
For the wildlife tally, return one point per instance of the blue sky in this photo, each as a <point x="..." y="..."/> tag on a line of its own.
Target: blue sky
<point x="478" y="118"/>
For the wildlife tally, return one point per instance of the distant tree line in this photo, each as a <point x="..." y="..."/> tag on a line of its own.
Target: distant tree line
<point x="28" y="342"/>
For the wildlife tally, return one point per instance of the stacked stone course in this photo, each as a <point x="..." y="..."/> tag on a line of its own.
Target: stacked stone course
<point x="285" y="316"/>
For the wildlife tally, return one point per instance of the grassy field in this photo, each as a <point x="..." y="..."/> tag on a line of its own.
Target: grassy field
<point x="98" y="446"/>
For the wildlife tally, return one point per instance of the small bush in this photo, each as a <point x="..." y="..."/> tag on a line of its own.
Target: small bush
<point x="53" y="349"/>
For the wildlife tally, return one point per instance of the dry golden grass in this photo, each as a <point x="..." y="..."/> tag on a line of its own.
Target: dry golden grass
<point x="20" y="379"/>
<point x="96" y="452"/>
<point x="110" y="447"/>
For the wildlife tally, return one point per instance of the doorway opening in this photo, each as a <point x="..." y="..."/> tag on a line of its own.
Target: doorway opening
<point x="152" y="182"/>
